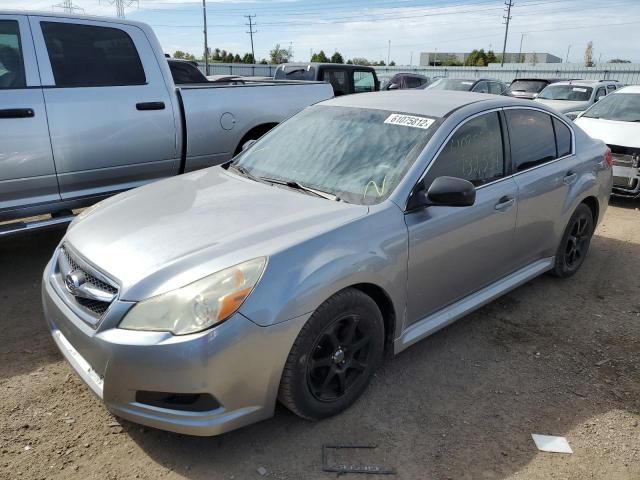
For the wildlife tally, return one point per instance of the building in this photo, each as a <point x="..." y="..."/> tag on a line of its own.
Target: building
<point x="439" y="58"/>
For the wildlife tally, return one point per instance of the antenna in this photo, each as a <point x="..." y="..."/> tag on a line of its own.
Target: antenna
<point x="68" y="7"/>
<point x="121" y="5"/>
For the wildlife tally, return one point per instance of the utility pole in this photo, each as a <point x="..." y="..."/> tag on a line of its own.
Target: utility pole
<point x="411" y="60"/>
<point x="389" y="54"/>
<point x="251" y="32"/>
<point x="507" y="19"/>
<point x="206" y="42"/>
<point x="121" y="5"/>
<point x="520" y="51"/>
<point x="68" y="7"/>
<point x="568" y="50"/>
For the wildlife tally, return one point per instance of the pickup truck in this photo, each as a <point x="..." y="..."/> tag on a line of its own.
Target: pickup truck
<point x="345" y="79"/>
<point x="89" y="108"/>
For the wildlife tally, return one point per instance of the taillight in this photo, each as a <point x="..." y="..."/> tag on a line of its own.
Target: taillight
<point x="608" y="156"/>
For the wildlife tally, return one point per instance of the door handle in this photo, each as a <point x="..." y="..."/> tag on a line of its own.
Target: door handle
<point x="17" y="113"/>
<point x="570" y="177"/>
<point x="150" y="106"/>
<point x="505" y="203"/>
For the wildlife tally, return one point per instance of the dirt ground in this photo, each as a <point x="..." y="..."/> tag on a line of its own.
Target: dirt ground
<point x="553" y="357"/>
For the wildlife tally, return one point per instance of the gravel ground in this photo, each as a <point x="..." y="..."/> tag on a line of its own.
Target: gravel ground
<point x="553" y="357"/>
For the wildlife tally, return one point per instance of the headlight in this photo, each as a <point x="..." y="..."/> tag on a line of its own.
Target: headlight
<point x="573" y="115"/>
<point x="199" y="305"/>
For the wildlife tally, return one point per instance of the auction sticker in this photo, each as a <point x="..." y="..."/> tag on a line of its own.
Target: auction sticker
<point x="409" y="121"/>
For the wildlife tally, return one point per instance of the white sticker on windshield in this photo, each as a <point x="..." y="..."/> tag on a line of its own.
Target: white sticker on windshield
<point x="409" y="121"/>
<point x="467" y="83"/>
<point x="576" y="89"/>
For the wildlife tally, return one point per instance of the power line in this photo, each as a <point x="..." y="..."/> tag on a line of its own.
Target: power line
<point x="121" y="5"/>
<point x="507" y="19"/>
<point x="251" y="32"/>
<point x="68" y="7"/>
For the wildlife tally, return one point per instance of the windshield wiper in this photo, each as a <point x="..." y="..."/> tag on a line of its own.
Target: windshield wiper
<point x="244" y="172"/>
<point x="299" y="186"/>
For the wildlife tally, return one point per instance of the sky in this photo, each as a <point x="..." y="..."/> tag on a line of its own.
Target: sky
<point x="364" y="28"/>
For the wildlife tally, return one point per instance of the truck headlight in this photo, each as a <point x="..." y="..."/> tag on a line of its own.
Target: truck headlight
<point x="199" y="305"/>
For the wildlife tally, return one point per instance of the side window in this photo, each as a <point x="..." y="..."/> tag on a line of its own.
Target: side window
<point x="495" y="88"/>
<point x="413" y="82"/>
<point x="363" y="82"/>
<point x="532" y="138"/>
<point x="89" y="56"/>
<point x="563" y="138"/>
<point x="11" y="63"/>
<point x="338" y="80"/>
<point x="611" y="87"/>
<point x="601" y="92"/>
<point x="481" y="87"/>
<point x="474" y="152"/>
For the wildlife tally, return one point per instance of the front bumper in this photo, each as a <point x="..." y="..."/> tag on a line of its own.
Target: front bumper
<point x="238" y="363"/>
<point x="626" y="180"/>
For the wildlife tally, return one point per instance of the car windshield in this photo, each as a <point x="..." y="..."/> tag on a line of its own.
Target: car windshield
<point x="359" y="155"/>
<point x="623" y="107"/>
<point x="452" y="84"/>
<point x="575" y="93"/>
<point x="529" y="86"/>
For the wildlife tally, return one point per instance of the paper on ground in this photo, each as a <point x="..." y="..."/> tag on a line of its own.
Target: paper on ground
<point x="548" y="443"/>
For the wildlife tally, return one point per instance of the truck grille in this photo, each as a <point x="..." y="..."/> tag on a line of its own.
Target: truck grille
<point x="84" y="288"/>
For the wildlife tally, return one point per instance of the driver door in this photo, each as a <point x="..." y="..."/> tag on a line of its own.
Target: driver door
<point x="455" y="251"/>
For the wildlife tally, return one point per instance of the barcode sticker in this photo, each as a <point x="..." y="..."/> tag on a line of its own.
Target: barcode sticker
<point x="409" y="121"/>
<point x="576" y="89"/>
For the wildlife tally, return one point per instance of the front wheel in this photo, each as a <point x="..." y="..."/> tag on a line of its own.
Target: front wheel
<point x="334" y="356"/>
<point x="575" y="243"/>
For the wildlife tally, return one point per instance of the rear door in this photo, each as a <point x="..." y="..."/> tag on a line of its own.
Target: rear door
<point x="455" y="251"/>
<point x="27" y="172"/>
<point x="545" y="169"/>
<point x="110" y="113"/>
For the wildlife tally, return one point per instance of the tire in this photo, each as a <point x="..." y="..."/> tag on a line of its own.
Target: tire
<point x="334" y="356"/>
<point x="575" y="243"/>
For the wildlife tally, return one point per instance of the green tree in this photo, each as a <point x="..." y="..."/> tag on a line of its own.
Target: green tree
<point x="477" y="58"/>
<point x="392" y="63"/>
<point x="337" y="58"/>
<point x="491" y="57"/>
<point x="320" y="57"/>
<point x="248" y="58"/>
<point x="237" y="59"/>
<point x="618" y="60"/>
<point x="360" y="61"/>
<point x="451" y="62"/>
<point x="349" y="62"/>
<point x="264" y="62"/>
<point x="216" y="55"/>
<point x="178" y="54"/>
<point x="279" y="55"/>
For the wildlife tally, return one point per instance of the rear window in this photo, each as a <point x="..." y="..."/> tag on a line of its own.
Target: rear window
<point x="363" y="82"/>
<point x="452" y="84"/>
<point x="90" y="56"/>
<point x="295" y="73"/>
<point x="528" y="86"/>
<point x="575" y="93"/>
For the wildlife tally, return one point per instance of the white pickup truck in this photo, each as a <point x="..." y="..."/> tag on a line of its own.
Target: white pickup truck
<point x="89" y="108"/>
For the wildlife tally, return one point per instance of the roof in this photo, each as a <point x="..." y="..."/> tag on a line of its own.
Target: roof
<point x="59" y="14"/>
<point x="586" y="83"/>
<point x="433" y="103"/>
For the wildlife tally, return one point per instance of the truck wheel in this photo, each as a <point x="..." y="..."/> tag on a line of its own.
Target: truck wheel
<point x="334" y="357"/>
<point x="575" y="243"/>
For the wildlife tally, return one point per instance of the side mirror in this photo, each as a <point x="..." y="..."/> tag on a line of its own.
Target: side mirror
<point x="393" y="86"/>
<point x="600" y="97"/>
<point x="246" y="145"/>
<point x="444" y="192"/>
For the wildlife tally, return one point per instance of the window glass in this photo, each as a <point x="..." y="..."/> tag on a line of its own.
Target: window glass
<point x="183" y="72"/>
<point x="452" y="84"/>
<point x="576" y="93"/>
<point x="89" y="56"/>
<point x="481" y="87"/>
<point x="529" y="86"/>
<point x="621" y="107"/>
<point x="474" y="153"/>
<point x="601" y="92"/>
<point x="413" y="82"/>
<point x="532" y="138"/>
<point x="363" y="82"/>
<point x="11" y="62"/>
<point x="338" y="80"/>
<point x="357" y="154"/>
<point x="496" y="88"/>
<point x="295" y="73"/>
<point x="611" y="87"/>
<point x="563" y="138"/>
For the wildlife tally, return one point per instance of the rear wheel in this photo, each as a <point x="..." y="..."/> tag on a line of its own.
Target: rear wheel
<point x="334" y="356"/>
<point x="575" y="242"/>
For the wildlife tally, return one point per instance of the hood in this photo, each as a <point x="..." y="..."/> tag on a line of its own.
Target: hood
<point x="612" y="132"/>
<point x="564" y="106"/>
<point x="169" y="233"/>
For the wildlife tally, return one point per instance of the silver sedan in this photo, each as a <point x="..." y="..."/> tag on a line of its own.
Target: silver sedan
<point x="361" y="225"/>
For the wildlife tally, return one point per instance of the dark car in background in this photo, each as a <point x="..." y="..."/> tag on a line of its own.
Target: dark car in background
<point x="477" y="85"/>
<point x="405" y="81"/>
<point x="345" y="79"/>
<point x="529" y="88"/>
<point x="185" y="71"/>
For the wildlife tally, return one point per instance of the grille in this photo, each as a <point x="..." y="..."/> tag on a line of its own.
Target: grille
<point x="95" y="308"/>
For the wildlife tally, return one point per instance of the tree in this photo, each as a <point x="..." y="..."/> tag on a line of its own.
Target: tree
<point x="360" y="61"/>
<point x="477" y="58"/>
<point x="491" y="57"/>
<point x="451" y="62"/>
<point x="618" y="60"/>
<point x="248" y="58"/>
<point x="392" y="63"/>
<point x="349" y="62"/>
<point x="228" y="58"/>
<point x="279" y="55"/>
<point x="337" y="58"/>
<point x="178" y="54"/>
<point x="237" y="59"/>
<point x="264" y="62"/>
<point x="216" y="55"/>
<point x="588" y="55"/>
<point x="320" y="57"/>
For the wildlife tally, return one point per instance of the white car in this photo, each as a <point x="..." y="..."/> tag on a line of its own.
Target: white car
<point x="616" y="120"/>
<point x="573" y="97"/>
